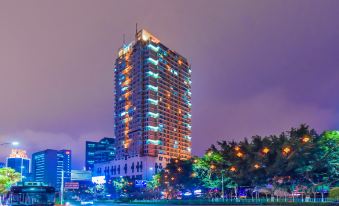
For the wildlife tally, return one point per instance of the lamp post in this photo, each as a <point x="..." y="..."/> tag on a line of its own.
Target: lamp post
<point x="222" y="181"/>
<point x="62" y="187"/>
<point x="222" y="185"/>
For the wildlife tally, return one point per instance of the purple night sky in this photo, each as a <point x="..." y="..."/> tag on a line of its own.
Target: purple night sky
<point x="259" y="67"/>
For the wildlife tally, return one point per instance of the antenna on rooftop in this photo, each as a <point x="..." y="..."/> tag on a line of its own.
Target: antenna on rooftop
<point x="123" y="39"/>
<point x="136" y="28"/>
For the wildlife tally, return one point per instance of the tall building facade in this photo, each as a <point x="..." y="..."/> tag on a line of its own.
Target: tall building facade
<point x="152" y="108"/>
<point x="19" y="161"/>
<point x="102" y="151"/>
<point x="65" y="162"/>
<point x="48" y="166"/>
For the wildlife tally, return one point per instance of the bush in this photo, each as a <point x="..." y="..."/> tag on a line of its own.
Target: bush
<point x="334" y="193"/>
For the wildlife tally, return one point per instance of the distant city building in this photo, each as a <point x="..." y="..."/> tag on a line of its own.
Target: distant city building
<point x="101" y="151"/>
<point x="19" y="161"/>
<point x="65" y="160"/>
<point x="2" y="164"/>
<point x="48" y="165"/>
<point x="152" y="109"/>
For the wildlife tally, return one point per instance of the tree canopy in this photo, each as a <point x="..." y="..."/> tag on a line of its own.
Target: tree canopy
<point x="8" y="177"/>
<point x="293" y="160"/>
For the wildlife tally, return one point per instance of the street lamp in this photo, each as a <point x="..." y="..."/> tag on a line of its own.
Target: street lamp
<point x="233" y="169"/>
<point x="305" y="138"/>
<point x="286" y="150"/>
<point x="265" y="150"/>
<point x="240" y="154"/>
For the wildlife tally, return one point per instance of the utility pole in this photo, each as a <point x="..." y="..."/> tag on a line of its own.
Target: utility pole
<point x="21" y="168"/>
<point x="62" y="188"/>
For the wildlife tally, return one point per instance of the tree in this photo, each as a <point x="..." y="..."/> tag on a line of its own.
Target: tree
<point x="330" y="155"/>
<point x="298" y="158"/>
<point x="8" y="177"/>
<point x="178" y="176"/>
<point x="154" y="183"/>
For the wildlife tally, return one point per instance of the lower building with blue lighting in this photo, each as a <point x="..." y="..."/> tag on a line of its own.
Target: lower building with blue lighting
<point x="48" y="166"/>
<point x="19" y="161"/>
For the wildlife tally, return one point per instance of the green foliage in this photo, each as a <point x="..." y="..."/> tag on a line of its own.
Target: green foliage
<point x="8" y="177"/>
<point x="178" y="175"/>
<point x="332" y="135"/>
<point x="210" y="170"/>
<point x="334" y="193"/>
<point x="298" y="159"/>
<point x="154" y="183"/>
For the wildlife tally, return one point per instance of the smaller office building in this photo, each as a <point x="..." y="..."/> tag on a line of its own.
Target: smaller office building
<point x="19" y="161"/>
<point x="49" y="166"/>
<point x="102" y="151"/>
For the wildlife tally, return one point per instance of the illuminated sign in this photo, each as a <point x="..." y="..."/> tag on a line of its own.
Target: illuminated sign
<point x="99" y="180"/>
<point x="72" y="185"/>
<point x="141" y="183"/>
<point x="18" y="153"/>
<point x="80" y="175"/>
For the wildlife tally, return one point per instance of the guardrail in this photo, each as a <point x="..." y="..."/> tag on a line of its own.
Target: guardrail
<point x="276" y="201"/>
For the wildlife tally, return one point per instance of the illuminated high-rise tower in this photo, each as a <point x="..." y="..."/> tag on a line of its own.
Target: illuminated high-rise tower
<point x="152" y="107"/>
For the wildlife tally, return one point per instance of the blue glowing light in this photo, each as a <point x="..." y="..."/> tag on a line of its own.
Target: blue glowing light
<point x="151" y="60"/>
<point x="151" y="87"/>
<point x="152" y="101"/>
<point x="154" y="115"/>
<point x="151" y="128"/>
<point x="156" y="49"/>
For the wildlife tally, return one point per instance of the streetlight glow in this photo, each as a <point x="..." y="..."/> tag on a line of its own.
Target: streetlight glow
<point x="240" y="154"/>
<point x="306" y="138"/>
<point x="237" y="148"/>
<point x="286" y="150"/>
<point x="265" y="150"/>
<point x="233" y="169"/>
